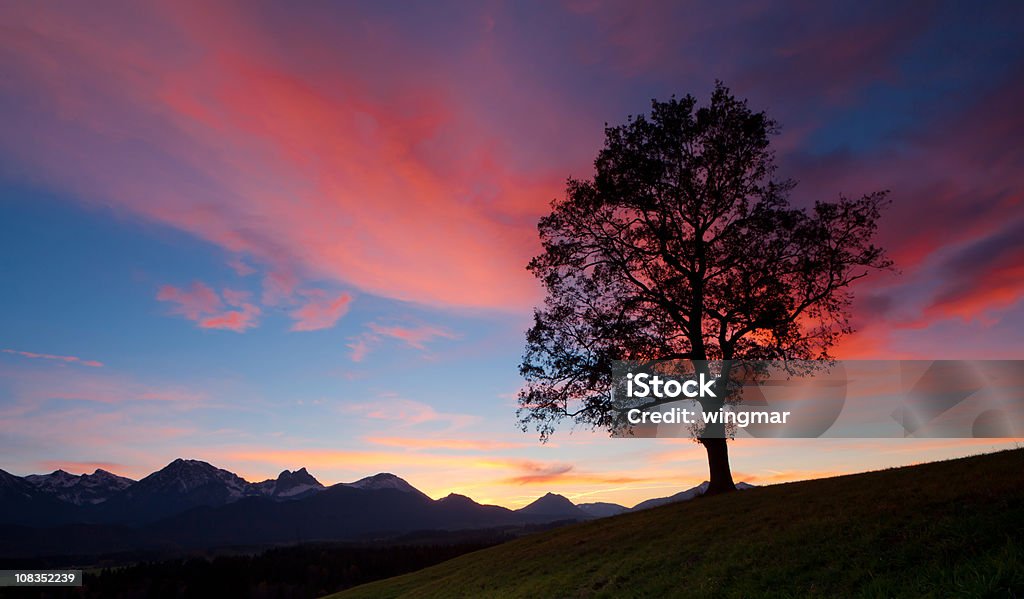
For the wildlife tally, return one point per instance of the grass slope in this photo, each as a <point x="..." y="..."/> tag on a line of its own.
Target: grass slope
<point x="944" y="529"/>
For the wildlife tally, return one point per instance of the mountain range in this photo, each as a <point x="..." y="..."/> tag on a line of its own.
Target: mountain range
<point x="191" y="504"/>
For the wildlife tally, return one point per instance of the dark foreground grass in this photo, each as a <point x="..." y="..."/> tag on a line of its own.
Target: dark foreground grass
<point x="947" y="529"/>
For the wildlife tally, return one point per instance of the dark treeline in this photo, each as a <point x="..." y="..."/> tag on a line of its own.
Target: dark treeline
<point x="285" y="573"/>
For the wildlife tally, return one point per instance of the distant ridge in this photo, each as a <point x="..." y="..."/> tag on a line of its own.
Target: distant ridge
<point x="80" y="489"/>
<point x="211" y="485"/>
<point x="193" y="504"/>
<point x="602" y="509"/>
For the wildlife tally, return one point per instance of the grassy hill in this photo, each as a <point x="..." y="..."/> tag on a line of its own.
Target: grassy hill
<point x="946" y="529"/>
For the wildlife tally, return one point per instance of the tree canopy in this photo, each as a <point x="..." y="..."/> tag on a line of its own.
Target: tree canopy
<point x="684" y="245"/>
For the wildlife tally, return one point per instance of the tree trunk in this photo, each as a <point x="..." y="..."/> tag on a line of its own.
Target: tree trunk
<point x="714" y="441"/>
<point x="720" y="480"/>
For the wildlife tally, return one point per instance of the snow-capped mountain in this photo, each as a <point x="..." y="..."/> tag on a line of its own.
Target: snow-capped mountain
<point x="186" y="476"/>
<point x="22" y="503"/>
<point x="81" y="489"/>
<point x="384" y="480"/>
<point x="193" y="504"/>
<point x="16" y="488"/>
<point x="289" y="484"/>
<point x="181" y="485"/>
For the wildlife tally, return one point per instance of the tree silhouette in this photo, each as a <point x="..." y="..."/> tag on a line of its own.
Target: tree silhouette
<point x="683" y="245"/>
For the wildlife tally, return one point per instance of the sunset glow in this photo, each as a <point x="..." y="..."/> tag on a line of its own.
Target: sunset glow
<point x="274" y="236"/>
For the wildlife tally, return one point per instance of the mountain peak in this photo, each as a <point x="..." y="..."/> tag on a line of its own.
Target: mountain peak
<point x="186" y="476"/>
<point x="290" y="484"/>
<point x="59" y="477"/>
<point x="182" y="463"/>
<point x="553" y="499"/>
<point x="385" y="480"/>
<point x="377" y="478"/>
<point x="553" y="504"/>
<point x="101" y="473"/>
<point x="301" y="473"/>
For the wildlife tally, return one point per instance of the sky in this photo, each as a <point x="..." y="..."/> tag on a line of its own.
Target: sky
<point x="273" y="235"/>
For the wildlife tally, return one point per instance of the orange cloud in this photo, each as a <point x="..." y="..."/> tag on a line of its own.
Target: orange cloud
<point x="577" y="478"/>
<point x="872" y="342"/>
<point x="455" y="444"/>
<point x="540" y="473"/>
<point x="784" y="476"/>
<point x="65" y="359"/>
<point x="996" y="289"/>
<point x="529" y="472"/>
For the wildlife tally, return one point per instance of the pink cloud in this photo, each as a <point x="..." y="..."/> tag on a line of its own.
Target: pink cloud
<point x="233" y="320"/>
<point x="279" y="287"/>
<point x="320" y="311"/>
<point x="360" y="347"/>
<point x="415" y="336"/>
<point x="240" y="266"/>
<point x="33" y="387"/>
<point x="394" y="186"/>
<point x="235" y="297"/>
<point x="203" y="305"/>
<point x="58" y="358"/>
<point x="409" y="413"/>
<point x="192" y="303"/>
<point x="425" y="184"/>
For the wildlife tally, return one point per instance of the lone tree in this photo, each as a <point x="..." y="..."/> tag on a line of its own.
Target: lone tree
<point x="684" y="246"/>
